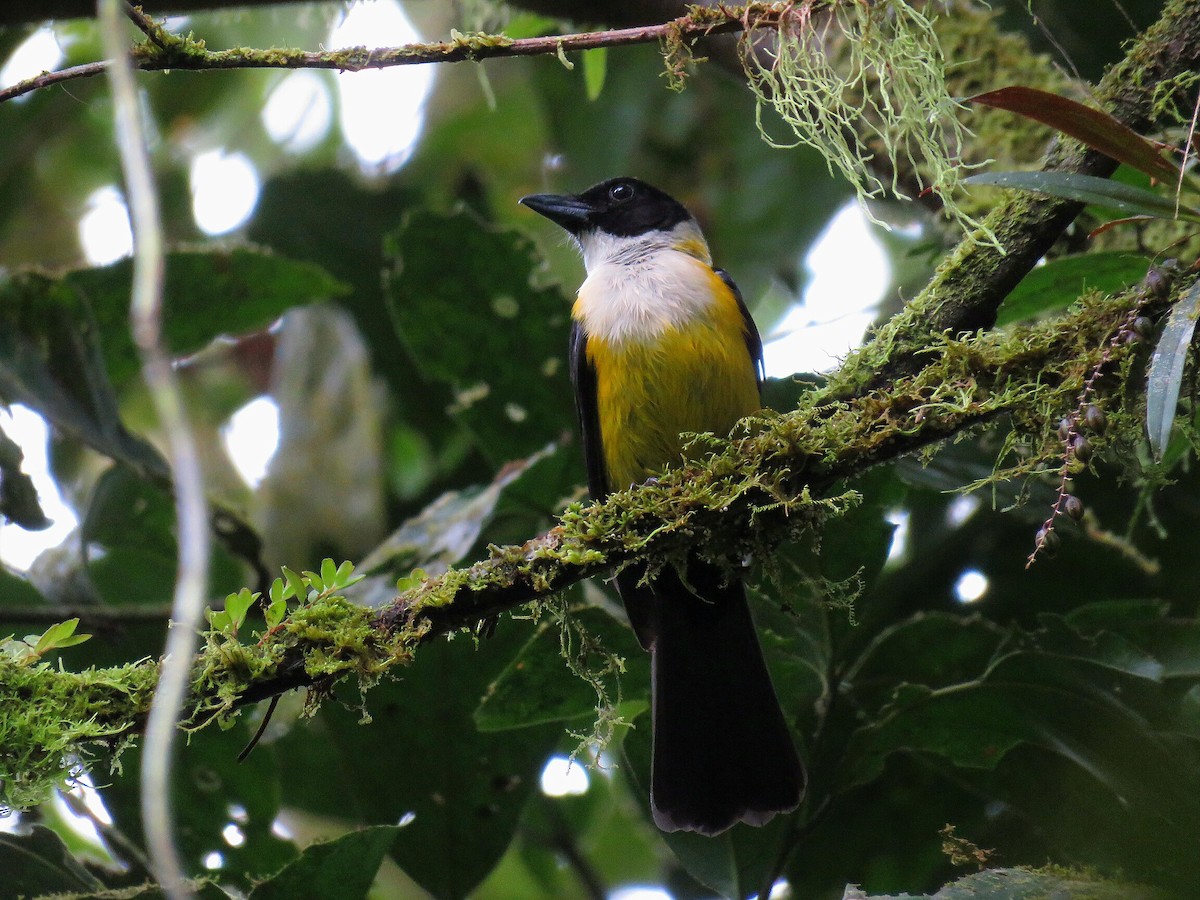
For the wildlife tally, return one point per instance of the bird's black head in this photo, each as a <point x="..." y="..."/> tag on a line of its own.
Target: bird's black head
<point x="623" y="207"/>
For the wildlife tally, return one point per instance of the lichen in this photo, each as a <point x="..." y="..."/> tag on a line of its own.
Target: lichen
<point x="857" y="81"/>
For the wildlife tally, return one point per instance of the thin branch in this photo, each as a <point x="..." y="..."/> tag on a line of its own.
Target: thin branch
<point x="145" y="24"/>
<point x="173" y="52"/>
<point x="191" y="586"/>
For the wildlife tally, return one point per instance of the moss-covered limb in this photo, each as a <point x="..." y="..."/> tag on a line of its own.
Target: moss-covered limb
<point x="744" y="496"/>
<point x="971" y="282"/>
<point x="762" y="487"/>
<point x="167" y="51"/>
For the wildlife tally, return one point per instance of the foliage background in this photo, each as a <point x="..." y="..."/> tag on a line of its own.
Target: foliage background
<point x="1054" y="720"/>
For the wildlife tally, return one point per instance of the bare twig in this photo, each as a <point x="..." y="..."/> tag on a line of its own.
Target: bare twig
<point x="191" y="506"/>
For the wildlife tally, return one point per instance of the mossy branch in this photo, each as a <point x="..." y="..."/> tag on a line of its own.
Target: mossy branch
<point x="767" y="484"/>
<point x="164" y="50"/>
<point x="971" y="282"/>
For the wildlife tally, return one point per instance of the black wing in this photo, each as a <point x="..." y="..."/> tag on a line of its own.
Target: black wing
<point x="753" y="340"/>
<point x="583" y="376"/>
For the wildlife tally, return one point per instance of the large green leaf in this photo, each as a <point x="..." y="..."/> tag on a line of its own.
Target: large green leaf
<point x="341" y="869"/>
<point x="536" y="686"/>
<point x="1065" y="706"/>
<point x="459" y="792"/>
<point x="1060" y="282"/>
<point x="206" y="293"/>
<point x="39" y="863"/>
<point x="51" y="361"/>
<point x="213" y="792"/>
<point x="482" y="327"/>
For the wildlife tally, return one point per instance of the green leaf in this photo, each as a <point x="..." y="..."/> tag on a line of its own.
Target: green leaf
<point x="1095" y="128"/>
<point x="237" y="605"/>
<point x="51" y="361"/>
<point x="40" y="863"/>
<point x="463" y="329"/>
<point x="1058" y="283"/>
<point x="53" y="635"/>
<point x="1123" y="198"/>
<point x="536" y="686"/>
<point x="1076" y="710"/>
<point x="253" y="287"/>
<point x="465" y="790"/>
<point x="337" y="869"/>
<point x="18" y="496"/>
<point x="212" y="792"/>
<point x="329" y="573"/>
<point x="1167" y="369"/>
<point x="296" y="584"/>
<point x="595" y="67"/>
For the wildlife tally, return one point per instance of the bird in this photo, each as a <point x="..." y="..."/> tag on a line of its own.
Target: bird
<point x="661" y="344"/>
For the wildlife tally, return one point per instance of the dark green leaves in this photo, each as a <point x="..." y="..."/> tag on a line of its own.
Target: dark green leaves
<point x="464" y="303"/>
<point x="1060" y="282"/>
<point x="341" y="869"/>
<point x="40" y="863"/>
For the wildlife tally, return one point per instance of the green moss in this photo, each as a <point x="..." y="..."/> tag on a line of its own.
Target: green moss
<point x="51" y="719"/>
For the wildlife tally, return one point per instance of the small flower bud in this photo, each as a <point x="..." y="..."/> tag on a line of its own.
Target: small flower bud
<point x="1095" y="419"/>
<point x="1073" y="507"/>
<point x="1082" y="448"/>
<point x="1143" y="327"/>
<point x="1048" y="540"/>
<point x="1064" y="429"/>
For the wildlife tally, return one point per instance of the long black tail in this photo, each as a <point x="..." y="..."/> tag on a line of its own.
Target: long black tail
<point x="722" y="750"/>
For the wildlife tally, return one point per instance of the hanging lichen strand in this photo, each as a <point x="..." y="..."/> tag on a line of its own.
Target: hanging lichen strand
<point x="858" y="81"/>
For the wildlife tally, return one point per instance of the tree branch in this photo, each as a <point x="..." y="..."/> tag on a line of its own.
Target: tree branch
<point x="972" y="281"/>
<point x="167" y="51"/>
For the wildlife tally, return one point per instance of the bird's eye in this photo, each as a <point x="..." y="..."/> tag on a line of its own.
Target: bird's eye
<point x="619" y="193"/>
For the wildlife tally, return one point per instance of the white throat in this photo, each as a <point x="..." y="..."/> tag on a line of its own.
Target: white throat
<point x="637" y="288"/>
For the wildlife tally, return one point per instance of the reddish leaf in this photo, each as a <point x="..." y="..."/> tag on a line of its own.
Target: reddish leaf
<point x="1096" y="129"/>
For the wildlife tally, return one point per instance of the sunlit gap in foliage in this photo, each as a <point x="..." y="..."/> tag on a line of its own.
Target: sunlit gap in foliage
<point x="971" y="586"/>
<point x="213" y="861"/>
<point x="224" y="190"/>
<point x="40" y="52"/>
<point x="563" y="777"/>
<point x="382" y="110"/>
<point x="104" y="232"/>
<point x="899" y="520"/>
<point x="299" y="111"/>
<point x="83" y="823"/>
<point x="849" y="272"/>
<point x="251" y="437"/>
<point x="233" y="835"/>
<point x="961" y="509"/>
<point x="18" y="547"/>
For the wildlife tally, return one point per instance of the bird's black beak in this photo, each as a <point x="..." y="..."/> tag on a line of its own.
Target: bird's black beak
<point x="562" y="209"/>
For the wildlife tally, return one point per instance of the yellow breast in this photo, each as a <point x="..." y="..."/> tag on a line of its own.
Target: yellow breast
<point x="681" y="364"/>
